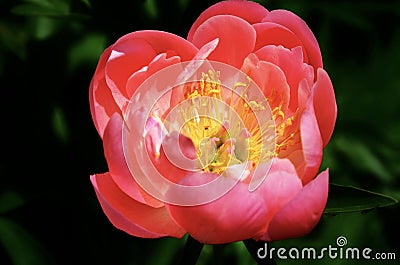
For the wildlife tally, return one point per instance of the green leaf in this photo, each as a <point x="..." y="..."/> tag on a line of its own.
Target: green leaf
<point x="191" y="252"/>
<point x="50" y="8"/>
<point x="60" y="125"/>
<point x="43" y="27"/>
<point x="10" y="200"/>
<point x="362" y="157"/>
<point x="150" y="6"/>
<point x="86" y="51"/>
<point x="87" y="3"/>
<point x="183" y="4"/>
<point x="21" y="246"/>
<point x="344" y="199"/>
<point x="167" y="250"/>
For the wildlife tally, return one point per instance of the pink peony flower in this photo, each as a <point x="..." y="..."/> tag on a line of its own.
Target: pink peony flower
<point x="279" y="54"/>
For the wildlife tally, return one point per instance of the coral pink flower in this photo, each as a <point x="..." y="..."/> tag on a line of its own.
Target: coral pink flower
<point x="279" y="53"/>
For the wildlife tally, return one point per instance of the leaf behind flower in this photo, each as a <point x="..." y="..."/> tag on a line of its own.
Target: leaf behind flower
<point x="344" y="199"/>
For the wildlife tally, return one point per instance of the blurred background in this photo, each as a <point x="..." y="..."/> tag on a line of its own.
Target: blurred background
<point x="49" y="49"/>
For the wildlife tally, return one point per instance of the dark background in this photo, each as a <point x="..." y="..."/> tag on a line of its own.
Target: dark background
<point x="49" y="49"/>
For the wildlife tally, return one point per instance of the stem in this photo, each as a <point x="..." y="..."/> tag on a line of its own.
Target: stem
<point x="219" y="253"/>
<point x="191" y="252"/>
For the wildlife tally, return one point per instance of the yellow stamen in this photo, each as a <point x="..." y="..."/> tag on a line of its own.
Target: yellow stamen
<point x="219" y="143"/>
<point x="283" y="126"/>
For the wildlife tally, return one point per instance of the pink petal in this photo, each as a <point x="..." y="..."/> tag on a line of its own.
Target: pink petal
<point x="236" y="38"/>
<point x="136" y="50"/>
<point x="302" y="31"/>
<point x="296" y="155"/>
<point x="275" y="34"/>
<point x="303" y="94"/>
<point x="240" y="171"/>
<point x="131" y="216"/>
<point x="128" y="55"/>
<point x="114" y="153"/>
<point x="301" y="214"/>
<point x="291" y="63"/>
<point x="159" y="62"/>
<point x="164" y="42"/>
<point x="270" y="79"/>
<point x="279" y="187"/>
<point x="247" y="10"/>
<point x="324" y="105"/>
<point x="311" y="142"/>
<point x="118" y="220"/>
<point x="102" y="103"/>
<point x="237" y="215"/>
<point x="177" y="156"/>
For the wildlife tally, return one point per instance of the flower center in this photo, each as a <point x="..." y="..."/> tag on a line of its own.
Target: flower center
<point x="224" y="124"/>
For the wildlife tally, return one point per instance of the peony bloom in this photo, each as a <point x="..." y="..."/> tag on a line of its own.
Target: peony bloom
<point x="274" y="51"/>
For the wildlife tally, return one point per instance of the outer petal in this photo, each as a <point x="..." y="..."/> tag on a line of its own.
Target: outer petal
<point x="279" y="187"/>
<point x="102" y="103"/>
<point x="237" y="215"/>
<point x="302" y="31"/>
<point x="301" y="214"/>
<point x="236" y="38"/>
<point x="250" y="11"/>
<point x="131" y="216"/>
<point x="136" y="50"/>
<point x="118" y="219"/>
<point x="164" y="42"/>
<point x="114" y="153"/>
<point x="324" y="105"/>
<point x="128" y="56"/>
<point x="311" y="142"/>
<point x="275" y="34"/>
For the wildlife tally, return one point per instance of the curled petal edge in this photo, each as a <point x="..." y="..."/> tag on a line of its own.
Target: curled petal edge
<point x="298" y="217"/>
